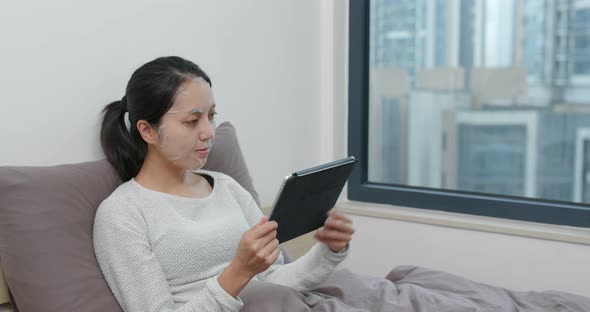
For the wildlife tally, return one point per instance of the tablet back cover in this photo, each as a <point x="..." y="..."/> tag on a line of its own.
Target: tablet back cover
<point x="307" y="196"/>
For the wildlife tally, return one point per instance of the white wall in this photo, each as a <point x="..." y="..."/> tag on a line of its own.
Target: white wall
<point x="61" y="61"/>
<point x="509" y="261"/>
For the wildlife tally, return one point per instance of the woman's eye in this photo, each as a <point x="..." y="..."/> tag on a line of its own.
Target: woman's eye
<point x="192" y="122"/>
<point x="212" y="116"/>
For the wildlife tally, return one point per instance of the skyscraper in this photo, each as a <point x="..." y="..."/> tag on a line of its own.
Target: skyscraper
<point x="481" y="95"/>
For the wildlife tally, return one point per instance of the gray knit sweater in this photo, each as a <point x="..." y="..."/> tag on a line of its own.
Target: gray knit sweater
<point x="160" y="252"/>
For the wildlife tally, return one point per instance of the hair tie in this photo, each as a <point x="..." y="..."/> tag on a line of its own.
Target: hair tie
<point x="124" y="104"/>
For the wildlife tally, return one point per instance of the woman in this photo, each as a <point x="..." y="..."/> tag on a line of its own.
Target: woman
<point x="177" y="238"/>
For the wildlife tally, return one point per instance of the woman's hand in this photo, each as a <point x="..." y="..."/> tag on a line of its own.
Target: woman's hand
<point x="258" y="248"/>
<point x="257" y="251"/>
<point x="336" y="232"/>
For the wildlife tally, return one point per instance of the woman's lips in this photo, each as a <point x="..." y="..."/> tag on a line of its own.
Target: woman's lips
<point x="203" y="151"/>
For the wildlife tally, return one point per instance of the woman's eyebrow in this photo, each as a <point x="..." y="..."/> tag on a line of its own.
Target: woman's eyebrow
<point x="197" y="111"/>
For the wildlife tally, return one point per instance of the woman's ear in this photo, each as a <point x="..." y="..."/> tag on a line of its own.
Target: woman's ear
<point x="147" y="132"/>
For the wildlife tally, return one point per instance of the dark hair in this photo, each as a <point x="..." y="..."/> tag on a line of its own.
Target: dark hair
<point x="149" y="95"/>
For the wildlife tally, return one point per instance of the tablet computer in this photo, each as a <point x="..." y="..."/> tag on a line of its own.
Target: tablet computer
<point x="306" y="196"/>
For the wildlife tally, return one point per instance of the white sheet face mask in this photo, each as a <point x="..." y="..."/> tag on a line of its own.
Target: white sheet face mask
<point x="186" y="131"/>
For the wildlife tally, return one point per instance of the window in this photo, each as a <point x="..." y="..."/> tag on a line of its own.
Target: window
<point x="581" y="38"/>
<point x="474" y="107"/>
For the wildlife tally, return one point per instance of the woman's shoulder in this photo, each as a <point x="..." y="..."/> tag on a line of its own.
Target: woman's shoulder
<point x="120" y="214"/>
<point x="121" y="201"/>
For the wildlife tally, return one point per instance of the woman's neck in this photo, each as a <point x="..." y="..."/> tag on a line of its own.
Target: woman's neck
<point x="161" y="175"/>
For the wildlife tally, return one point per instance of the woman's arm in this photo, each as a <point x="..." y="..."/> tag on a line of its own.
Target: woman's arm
<point x="307" y="272"/>
<point x="257" y="251"/>
<point x="304" y="274"/>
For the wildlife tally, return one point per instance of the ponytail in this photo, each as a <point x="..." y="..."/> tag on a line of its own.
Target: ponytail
<point x="122" y="150"/>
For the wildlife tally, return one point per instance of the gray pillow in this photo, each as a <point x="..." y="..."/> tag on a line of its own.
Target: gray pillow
<point x="46" y="247"/>
<point x="46" y="220"/>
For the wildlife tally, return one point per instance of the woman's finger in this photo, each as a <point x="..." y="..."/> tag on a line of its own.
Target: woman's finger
<point x="262" y="228"/>
<point x="263" y="241"/>
<point x="325" y="234"/>
<point x="339" y="225"/>
<point x="270" y="247"/>
<point x="338" y="216"/>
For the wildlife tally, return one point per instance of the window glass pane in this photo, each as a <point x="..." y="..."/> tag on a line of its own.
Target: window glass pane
<point x="486" y="96"/>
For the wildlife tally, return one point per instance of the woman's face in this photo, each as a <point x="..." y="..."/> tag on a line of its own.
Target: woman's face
<point x="186" y="131"/>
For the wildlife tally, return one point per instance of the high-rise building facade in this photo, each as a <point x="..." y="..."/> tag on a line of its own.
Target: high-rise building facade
<point x="489" y="96"/>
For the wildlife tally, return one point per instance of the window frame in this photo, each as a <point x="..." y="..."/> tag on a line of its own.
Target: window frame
<point x="360" y="189"/>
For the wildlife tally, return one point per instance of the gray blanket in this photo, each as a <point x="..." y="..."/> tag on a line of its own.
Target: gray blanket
<point x="406" y="288"/>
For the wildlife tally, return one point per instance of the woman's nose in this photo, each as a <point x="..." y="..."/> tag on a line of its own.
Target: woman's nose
<point x="208" y="131"/>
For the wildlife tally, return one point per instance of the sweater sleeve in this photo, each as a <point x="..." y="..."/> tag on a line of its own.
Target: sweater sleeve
<point x="133" y="272"/>
<point x="303" y="274"/>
